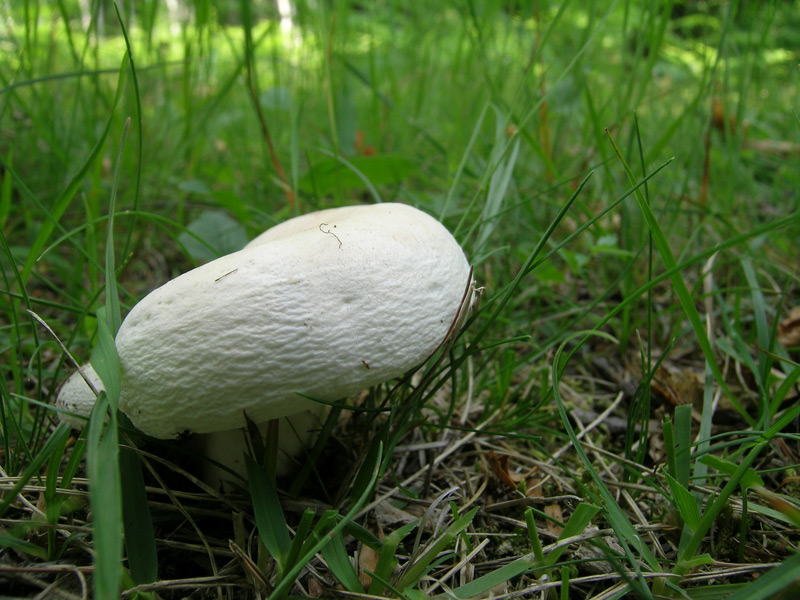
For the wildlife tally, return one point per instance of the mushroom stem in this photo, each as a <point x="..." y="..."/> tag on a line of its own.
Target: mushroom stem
<point x="295" y="433"/>
<point x="227" y="448"/>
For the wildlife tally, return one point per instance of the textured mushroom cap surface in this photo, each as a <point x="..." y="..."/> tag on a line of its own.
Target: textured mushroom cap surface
<point x="77" y="397"/>
<point x="324" y="305"/>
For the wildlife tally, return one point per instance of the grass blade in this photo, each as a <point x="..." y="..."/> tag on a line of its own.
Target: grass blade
<point x="721" y="500"/>
<point x="747" y="480"/>
<point x="113" y="312"/>
<point x="106" y="496"/>
<point x="685" y="503"/>
<point x="685" y="298"/>
<point x="53" y="443"/>
<point x="269" y="515"/>
<point x="64" y="199"/>
<point x="683" y="444"/>
<point x="412" y="574"/>
<point x="770" y="585"/>
<point x="140" y="541"/>
<point x="301" y="536"/>
<point x="295" y="569"/>
<point x="387" y="557"/>
<point x="479" y="586"/>
<point x="584" y="513"/>
<point x="626" y="534"/>
<point x="335" y="554"/>
<point x="139" y="124"/>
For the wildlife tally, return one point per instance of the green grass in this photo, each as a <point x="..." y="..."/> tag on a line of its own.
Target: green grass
<point x="618" y="418"/>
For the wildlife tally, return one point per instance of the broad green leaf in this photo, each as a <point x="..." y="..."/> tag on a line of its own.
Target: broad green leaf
<point x="8" y="541"/>
<point x="276" y="98"/>
<point x="781" y="506"/>
<point x="301" y="535"/>
<point x="335" y="554"/>
<point x="413" y="573"/>
<point x="749" y="479"/>
<point x="685" y="503"/>
<point x="106" y="498"/>
<point x="215" y="234"/>
<point x="194" y="186"/>
<point x="577" y="522"/>
<point x="140" y="542"/>
<point x="268" y="512"/>
<point x="695" y="562"/>
<point x="105" y="359"/>
<point x="387" y="557"/>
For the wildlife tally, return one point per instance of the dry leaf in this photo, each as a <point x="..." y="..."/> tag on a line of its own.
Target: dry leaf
<point x="386" y="514"/>
<point x="678" y="386"/>
<point x="718" y="120"/>
<point x="533" y="486"/>
<point x="500" y="468"/>
<point x="789" y="329"/>
<point x="314" y="588"/>
<point x="554" y="510"/>
<point x="367" y="561"/>
<point x="249" y="566"/>
<point x="368" y="558"/>
<point x="777" y="147"/>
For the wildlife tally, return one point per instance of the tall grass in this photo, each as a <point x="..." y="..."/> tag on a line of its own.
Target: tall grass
<point x="619" y="416"/>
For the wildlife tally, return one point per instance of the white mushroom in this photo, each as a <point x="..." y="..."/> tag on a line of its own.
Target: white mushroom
<point x="76" y="399"/>
<point x="321" y="306"/>
<point x="295" y="432"/>
<point x="343" y="301"/>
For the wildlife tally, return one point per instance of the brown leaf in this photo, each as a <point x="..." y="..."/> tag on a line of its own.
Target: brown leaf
<point x="718" y="117"/>
<point x="789" y="329"/>
<point x="778" y="147"/>
<point x="500" y="468"/>
<point x="314" y="588"/>
<point x="554" y="510"/>
<point x="367" y="557"/>
<point x="249" y="566"/>
<point x="677" y="386"/>
<point x="367" y="561"/>
<point x="534" y="487"/>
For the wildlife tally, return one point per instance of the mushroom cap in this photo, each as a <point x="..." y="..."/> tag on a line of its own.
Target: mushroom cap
<point x="324" y="305"/>
<point x="77" y="397"/>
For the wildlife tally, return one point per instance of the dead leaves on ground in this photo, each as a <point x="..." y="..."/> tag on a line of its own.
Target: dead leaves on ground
<point x="532" y="487"/>
<point x="789" y="329"/>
